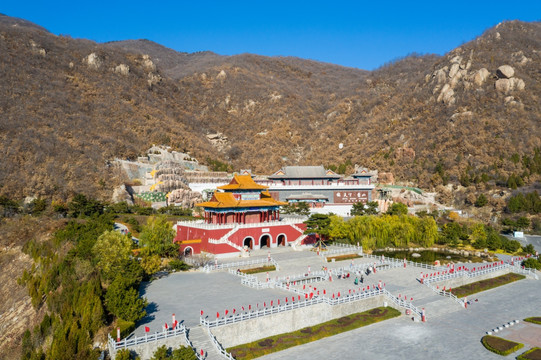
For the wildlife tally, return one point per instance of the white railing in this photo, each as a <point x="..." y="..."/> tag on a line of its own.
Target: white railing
<point x="350" y="246"/>
<point x="238" y="264"/>
<point x="297" y="304"/>
<point x="252" y="281"/>
<point x="229" y="233"/>
<point x="226" y="241"/>
<point x="259" y="313"/>
<point x="452" y="296"/>
<point x="353" y="297"/>
<point x="123" y="344"/>
<point x="329" y="253"/>
<point x="526" y="271"/>
<point x="190" y="344"/>
<point x="294" y="226"/>
<point x="256" y="284"/>
<point x="219" y="346"/>
<point x="447" y="276"/>
<point x="471" y="274"/>
<point x="408" y="262"/>
<point x="321" y="275"/>
<point x="402" y="303"/>
<point x="444" y="293"/>
<point x="202" y="225"/>
<point x="298" y="240"/>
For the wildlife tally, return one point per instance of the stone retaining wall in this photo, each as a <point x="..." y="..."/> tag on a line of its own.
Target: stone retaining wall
<point x="251" y="330"/>
<point x="145" y="351"/>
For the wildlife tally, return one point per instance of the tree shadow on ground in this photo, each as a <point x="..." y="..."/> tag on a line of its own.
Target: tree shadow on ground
<point x="151" y="309"/>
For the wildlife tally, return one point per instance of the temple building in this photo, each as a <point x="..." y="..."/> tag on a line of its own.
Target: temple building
<point x="241" y="202"/>
<point x="320" y="187"/>
<point x="240" y="216"/>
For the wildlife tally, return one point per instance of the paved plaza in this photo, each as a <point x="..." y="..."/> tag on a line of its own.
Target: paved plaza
<point x="451" y="332"/>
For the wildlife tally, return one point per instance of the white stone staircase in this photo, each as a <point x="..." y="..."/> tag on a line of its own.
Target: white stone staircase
<point x="299" y="240"/>
<point x="225" y="240"/>
<point x="200" y="340"/>
<point x="229" y="233"/>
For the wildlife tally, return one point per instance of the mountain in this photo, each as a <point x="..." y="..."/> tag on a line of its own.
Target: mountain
<point x="69" y="106"/>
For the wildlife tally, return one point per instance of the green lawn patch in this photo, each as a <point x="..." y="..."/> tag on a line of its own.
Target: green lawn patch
<point x="343" y="257"/>
<point x="284" y="341"/>
<point x="534" y="320"/>
<point x="487" y="284"/>
<point x="532" y="354"/>
<point x="258" y="269"/>
<point x="500" y="346"/>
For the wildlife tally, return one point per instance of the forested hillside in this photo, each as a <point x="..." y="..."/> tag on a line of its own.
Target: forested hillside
<point x="69" y="106"/>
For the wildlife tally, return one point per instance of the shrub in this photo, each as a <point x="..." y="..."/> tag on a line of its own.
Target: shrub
<point x="532" y="354"/>
<point x="161" y="353"/>
<point x="500" y="346"/>
<point x="532" y="263"/>
<point x="178" y="265"/>
<point x="534" y="320"/>
<point x="122" y="300"/>
<point x="126" y="328"/>
<point x="123" y="354"/>
<point x="481" y="201"/>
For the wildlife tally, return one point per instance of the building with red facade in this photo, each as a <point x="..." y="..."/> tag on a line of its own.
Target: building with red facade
<point x="240" y="216"/>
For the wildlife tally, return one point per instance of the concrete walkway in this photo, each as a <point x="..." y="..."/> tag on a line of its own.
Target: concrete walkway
<point x="451" y="332"/>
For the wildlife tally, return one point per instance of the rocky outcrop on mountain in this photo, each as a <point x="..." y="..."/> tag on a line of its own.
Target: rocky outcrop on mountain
<point x="219" y="140"/>
<point x="480" y="76"/>
<point x="121" y="194"/>
<point x="386" y="178"/>
<point x="122" y="69"/>
<point x="505" y="72"/>
<point x="93" y="61"/>
<point x="506" y="83"/>
<point x="185" y="198"/>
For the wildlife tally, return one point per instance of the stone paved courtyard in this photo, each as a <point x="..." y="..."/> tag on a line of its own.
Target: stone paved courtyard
<point x="451" y="332"/>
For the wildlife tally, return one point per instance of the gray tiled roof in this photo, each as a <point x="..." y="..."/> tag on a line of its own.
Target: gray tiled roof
<point x="297" y="172"/>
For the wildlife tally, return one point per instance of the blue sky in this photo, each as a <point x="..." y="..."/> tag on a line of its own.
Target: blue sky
<point x="351" y="33"/>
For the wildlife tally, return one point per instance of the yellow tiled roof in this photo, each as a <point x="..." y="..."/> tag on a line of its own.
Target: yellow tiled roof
<point x="227" y="200"/>
<point x="242" y="182"/>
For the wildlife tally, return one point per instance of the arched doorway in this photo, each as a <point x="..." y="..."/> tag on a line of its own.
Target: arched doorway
<point x="264" y="240"/>
<point x="281" y="240"/>
<point x="248" y="243"/>
<point x="188" y="251"/>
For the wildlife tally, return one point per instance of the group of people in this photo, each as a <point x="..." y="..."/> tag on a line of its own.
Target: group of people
<point x="359" y="280"/>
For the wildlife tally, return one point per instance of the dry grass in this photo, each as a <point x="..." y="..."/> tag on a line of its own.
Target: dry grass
<point x="258" y="269"/>
<point x="500" y="346"/>
<point x="487" y="284"/>
<point x="343" y="257"/>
